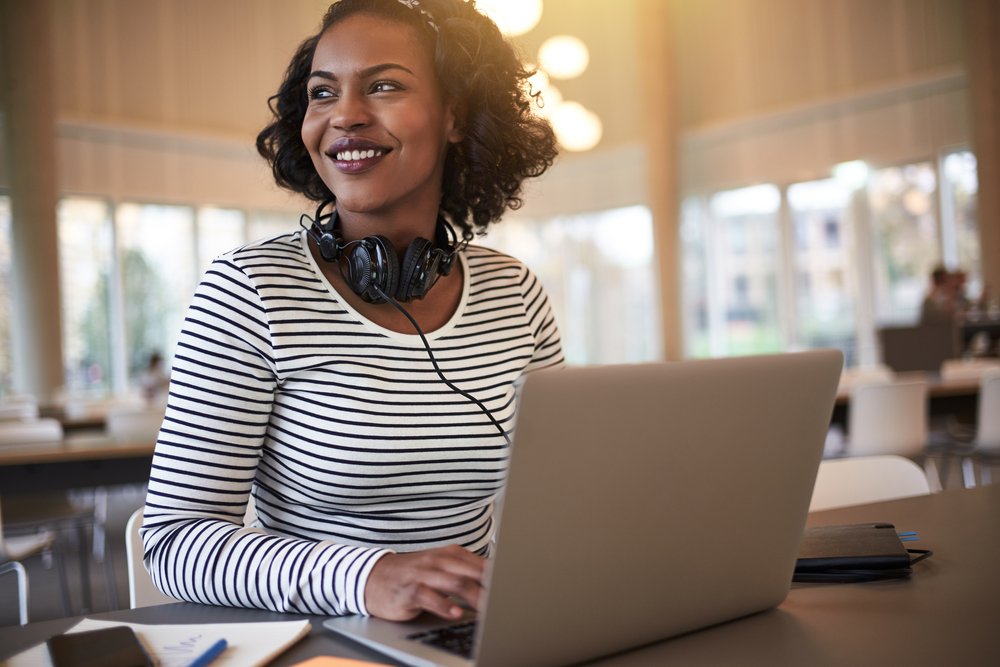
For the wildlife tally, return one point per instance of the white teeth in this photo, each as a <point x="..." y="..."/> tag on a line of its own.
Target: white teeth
<point x="359" y="155"/>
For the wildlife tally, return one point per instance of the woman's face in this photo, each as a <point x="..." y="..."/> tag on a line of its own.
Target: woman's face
<point x="376" y="126"/>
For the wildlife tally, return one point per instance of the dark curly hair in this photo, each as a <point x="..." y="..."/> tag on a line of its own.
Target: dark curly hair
<point x="503" y="141"/>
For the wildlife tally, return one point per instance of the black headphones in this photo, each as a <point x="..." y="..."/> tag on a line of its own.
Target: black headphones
<point x="373" y="270"/>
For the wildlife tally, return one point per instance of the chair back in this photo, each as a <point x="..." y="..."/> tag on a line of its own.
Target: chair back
<point x="31" y="430"/>
<point x="988" y="418"/>
<point x="887" y="418"/>
<point x="130" y="423"/>
<point x="866" y="479"/>
<point x="18" y="409"/>
<point x="856" y="376"/>
<point x="142" y="592"/>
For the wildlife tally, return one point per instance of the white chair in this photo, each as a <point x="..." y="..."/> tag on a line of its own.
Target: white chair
<point x="15" y="549"/>
<point x="856" y="376"/>
<point x="142" y="592"/>
<point x="17" y="432"/>
<point x="891" y="418"/>
<point x="18" y="409"/>
<point x="984" y="449"/>
<point x="31" y="512"/>
<point x="134" y="423"/>
<point x="866" y="479"/>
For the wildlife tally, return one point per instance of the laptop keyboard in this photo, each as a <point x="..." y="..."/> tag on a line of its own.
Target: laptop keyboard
<point x="458" y="639"/>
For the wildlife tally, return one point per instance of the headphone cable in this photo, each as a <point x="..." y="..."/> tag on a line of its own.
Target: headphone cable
<point x="430" y="354"/>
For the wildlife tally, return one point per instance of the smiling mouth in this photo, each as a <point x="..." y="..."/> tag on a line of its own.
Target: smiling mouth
<point x="355" y="155"/>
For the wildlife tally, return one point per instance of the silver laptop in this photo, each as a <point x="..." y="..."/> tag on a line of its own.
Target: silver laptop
<point x="643" y="501"/>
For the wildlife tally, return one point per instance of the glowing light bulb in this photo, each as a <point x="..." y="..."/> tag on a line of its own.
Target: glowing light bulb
<point x="576" y="127"/>
<point x="564" y="56"/>
<point x="513" y="17"/>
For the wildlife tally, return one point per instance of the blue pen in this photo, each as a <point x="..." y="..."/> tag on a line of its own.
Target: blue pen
<point x="211" y="654"/>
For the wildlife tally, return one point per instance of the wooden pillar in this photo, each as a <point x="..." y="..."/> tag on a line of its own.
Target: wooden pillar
<point x="27" y="99"/>
<point x="983" y="27"/>
<point x="661" y="131"/>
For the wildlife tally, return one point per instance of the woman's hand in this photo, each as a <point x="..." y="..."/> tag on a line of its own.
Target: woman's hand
<point x="401" y="586"/>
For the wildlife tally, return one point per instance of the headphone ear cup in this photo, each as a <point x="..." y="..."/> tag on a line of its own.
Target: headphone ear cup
<point x="415" y="275"/>
<point x="329" y="248"/>
<point x="359" y="270"/>
<point x="384" y="268"/>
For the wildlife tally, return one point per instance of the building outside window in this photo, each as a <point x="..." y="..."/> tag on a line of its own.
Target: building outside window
<point x="907" y="241"/>
<point x="598" y="271"/>
<point x="823" y="262"/>
<point x="743" y="263"/>
<point x="87" y="283"/>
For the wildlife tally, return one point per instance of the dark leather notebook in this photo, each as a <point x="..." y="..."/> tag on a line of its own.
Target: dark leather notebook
<point x="853" y="552"/>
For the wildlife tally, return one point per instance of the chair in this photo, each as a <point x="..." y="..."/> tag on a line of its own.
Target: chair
<point x="142" y="592"/>
<point x="866" y="479"/>
<point x="18" y="408"/>
<point x="890" y="418"/>
<point x="134" y="423"/>
<point x="24" y="431"/>
<point x="56" y="512"/>
<point x="15" y="549"/>
<point x="984" y="449"/>
<point x="858" y="375"/>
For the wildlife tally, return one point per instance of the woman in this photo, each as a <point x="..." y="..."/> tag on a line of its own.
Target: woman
<point x="373" y="460"/>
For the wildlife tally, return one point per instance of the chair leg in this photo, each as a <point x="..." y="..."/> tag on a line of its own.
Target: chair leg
<point x="22" y="588"/>
<point x="59" y="556"/>
<point x="84" y="562"/>
<point x="968" y="472"/>
<point x="932" y="474"/>
<point x="985" y="475"/>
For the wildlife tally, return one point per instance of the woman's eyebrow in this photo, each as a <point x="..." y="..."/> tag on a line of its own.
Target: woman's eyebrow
<point x="365" y="73"/>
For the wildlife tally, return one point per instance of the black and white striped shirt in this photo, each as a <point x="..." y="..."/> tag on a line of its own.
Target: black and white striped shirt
<point x="350" y="441"/>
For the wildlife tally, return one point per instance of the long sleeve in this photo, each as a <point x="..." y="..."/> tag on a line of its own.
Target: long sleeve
<point x="222" y="390"/>
<point x="349" y="441"/>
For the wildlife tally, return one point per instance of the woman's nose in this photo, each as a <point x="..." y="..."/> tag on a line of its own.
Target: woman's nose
<point x="351" y="112"/>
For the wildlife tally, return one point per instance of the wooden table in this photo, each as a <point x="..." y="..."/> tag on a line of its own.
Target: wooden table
<point x="74" y="462"/>
<point x="945" y="614"/>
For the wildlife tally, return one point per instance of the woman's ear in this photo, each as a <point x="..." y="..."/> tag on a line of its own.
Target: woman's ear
<point x="457" y="114"/>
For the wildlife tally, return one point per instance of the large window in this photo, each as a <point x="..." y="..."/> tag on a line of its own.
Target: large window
<point x="907" y="239"/>
<point x="739" y="249"/>
<point x="823" y="266"/>
<point x="156" y="256"/>
<point x="959" y="196"/>
<point x="88" y="283"/>
<point x="824" y="263"/>
<point x="598" y="271"/>
<point x="219" y="230"/>
<point x="128" y="272"/>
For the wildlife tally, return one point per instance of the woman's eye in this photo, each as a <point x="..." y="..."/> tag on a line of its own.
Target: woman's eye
<point x="385" y="86"/>
<point x="320" y="93"/>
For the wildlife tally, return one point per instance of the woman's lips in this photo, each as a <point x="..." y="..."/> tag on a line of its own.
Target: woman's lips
<point x="356" y="159"/>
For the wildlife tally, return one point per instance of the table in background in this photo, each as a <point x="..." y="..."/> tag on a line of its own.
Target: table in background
<point x="945" y="614"/>
<point x="946" y="399"/>
<point x="74" y="462"/>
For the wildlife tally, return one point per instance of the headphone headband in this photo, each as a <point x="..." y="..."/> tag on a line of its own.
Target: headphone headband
<point x="372" y="269"/>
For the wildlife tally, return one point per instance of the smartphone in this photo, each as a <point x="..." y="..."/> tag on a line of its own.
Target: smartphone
<point x="108" y="647"/>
